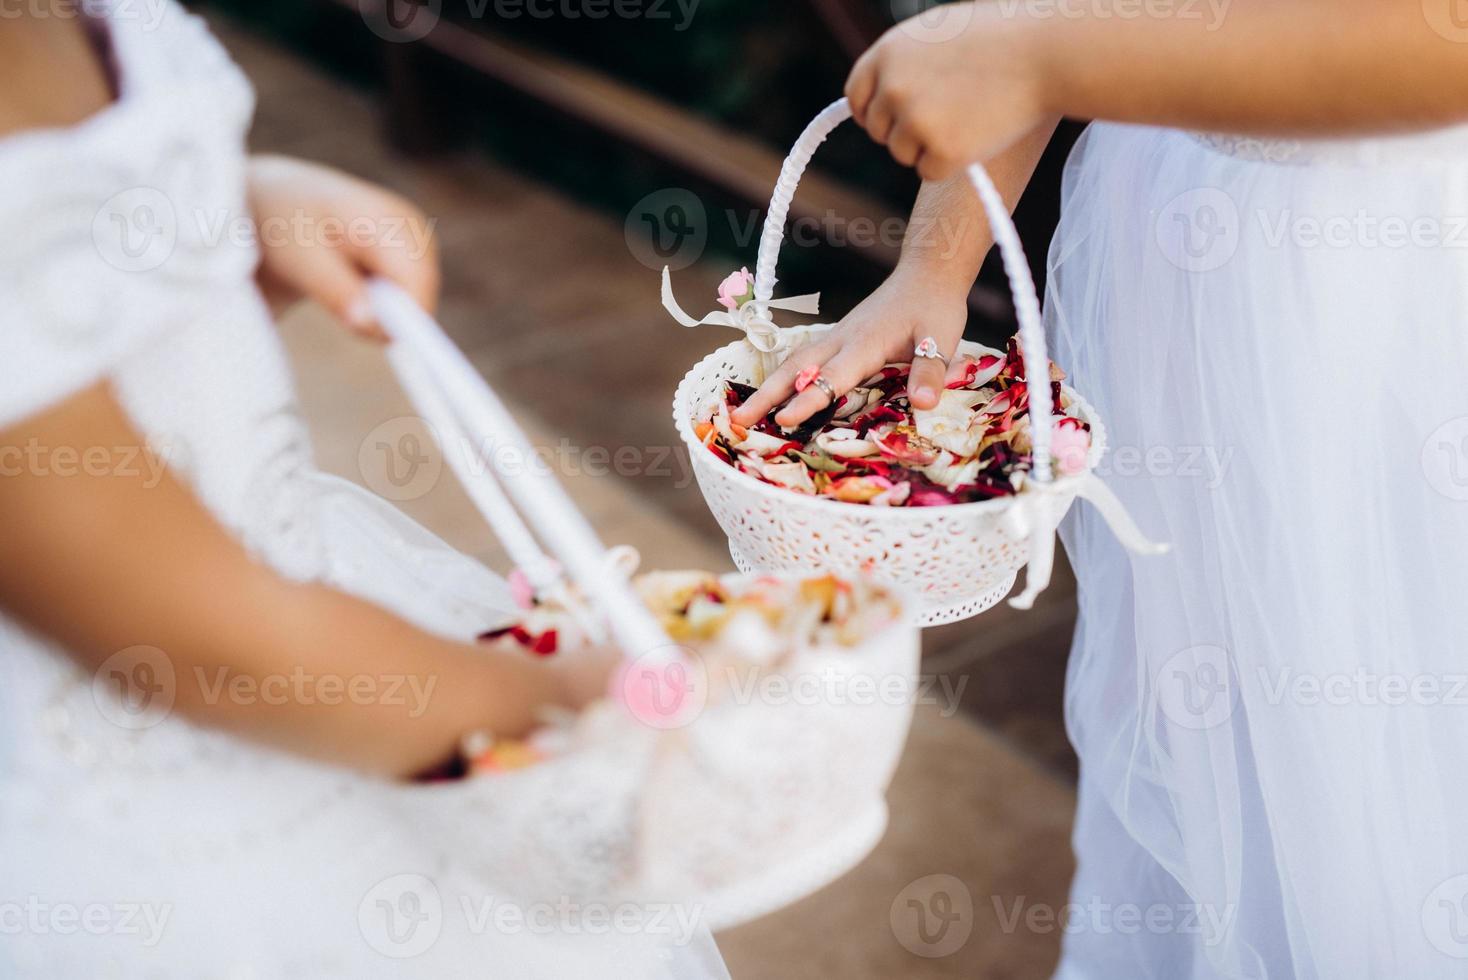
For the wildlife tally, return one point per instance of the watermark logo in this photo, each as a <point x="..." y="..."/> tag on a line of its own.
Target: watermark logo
<point x="1445" y="459"/>
<point x="402" y="916"/>
<point x="1445" y="917"/>
<point x="397" y="459"/>
<point x="669" y="227"/>
<point x="933" y="917"/>
<point x="932" y="21"/>
<point x="1196" y="688"/>
<point x="665" y="688"/>
<point x="136" y="230"/>
<point x="1198" y="231"/>
<point x="401" y="21"/>
<point x="135" y="688"/>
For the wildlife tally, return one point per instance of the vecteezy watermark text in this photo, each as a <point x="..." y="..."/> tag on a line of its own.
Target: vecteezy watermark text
<point x="137" y="688"/>
<point x="302" y="687"/>
<point x="35" y="458"/>
<point x="35" y="916"/>
<point x="397" y="460"/>
<point x="406" y="21"/>
<point x="403" y="916"/>
<point x="1209" y="922"/>
<point x="671" y="227"/>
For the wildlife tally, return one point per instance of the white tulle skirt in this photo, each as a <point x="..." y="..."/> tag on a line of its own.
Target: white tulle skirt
<point x="1272" y="720"/>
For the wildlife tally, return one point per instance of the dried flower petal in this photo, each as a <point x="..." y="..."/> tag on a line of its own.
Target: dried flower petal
<point x="904" y="444"/>
<point x="873" y="447"/>
<point x="859" y="489"/>
<point x="791" y="474"/>
<point x="845" y="443"/>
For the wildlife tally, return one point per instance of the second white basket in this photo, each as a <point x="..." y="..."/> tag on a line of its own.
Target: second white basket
<point x="957" y="559"/>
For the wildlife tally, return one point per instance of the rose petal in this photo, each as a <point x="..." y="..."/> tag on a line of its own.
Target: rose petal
<point x="977" y="372"/>
<point x="764" y="444"/>
<point x="859" y="489"/>
<point x="904" y="444"/>
<point x="791" y="474"/>
<point x="845" y="443"/>
<point x="974" y="445"/>
<point x="895" y="497"/>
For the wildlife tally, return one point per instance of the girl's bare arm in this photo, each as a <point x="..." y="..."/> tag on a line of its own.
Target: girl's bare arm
<point x="967" y="80"/>
<point x="108" y="558"/>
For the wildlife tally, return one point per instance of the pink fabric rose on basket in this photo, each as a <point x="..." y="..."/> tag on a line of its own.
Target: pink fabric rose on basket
<point x="1069" y="444"/>
<point x="736" y="290"/>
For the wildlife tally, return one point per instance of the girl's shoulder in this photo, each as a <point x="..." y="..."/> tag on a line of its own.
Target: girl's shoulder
<point x="115" y="223"/>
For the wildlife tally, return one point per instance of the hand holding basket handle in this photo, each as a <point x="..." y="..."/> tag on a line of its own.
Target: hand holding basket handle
<point x="1031" y="515"/>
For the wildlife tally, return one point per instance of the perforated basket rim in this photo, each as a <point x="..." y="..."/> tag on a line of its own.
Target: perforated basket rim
<point x="684" y="423"/>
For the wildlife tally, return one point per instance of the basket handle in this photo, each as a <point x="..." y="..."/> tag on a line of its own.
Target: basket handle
<point x="448" y="390"/>
<point x="1006" y="237"/>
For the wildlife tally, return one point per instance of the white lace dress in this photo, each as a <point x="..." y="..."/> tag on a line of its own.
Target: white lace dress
<point x="1272" y="720"/>
<point x="138" y="846"/>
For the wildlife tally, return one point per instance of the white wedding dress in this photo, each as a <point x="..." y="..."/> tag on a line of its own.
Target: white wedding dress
<point x="137" y="847"/>
<point x="1272" y="720"/>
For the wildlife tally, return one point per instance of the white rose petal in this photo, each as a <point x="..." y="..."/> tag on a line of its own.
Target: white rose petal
<point x="845" y="443"/>
<point x="789" y="474"/>
<point x="761" y="442"/>
<point x="949" y="472"/>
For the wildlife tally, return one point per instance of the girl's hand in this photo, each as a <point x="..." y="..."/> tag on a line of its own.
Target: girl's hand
<point x="916" y="301"/>
<point x="951" y="86"/>
<point x="585" y="675"/>
<point x="323" y="234"/>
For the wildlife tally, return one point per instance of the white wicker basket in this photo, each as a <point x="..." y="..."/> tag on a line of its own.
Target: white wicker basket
<point x="959" y="559"/>
<point x="753" y="805"/>
<point x="759" y="797"/>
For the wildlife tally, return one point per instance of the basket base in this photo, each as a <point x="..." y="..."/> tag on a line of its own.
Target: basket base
<point x="929" y="614"/>
<point x="759" y="895"/>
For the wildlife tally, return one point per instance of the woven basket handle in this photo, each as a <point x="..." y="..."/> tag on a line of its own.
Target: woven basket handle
<point x="465" y="410"/>
<point x="1016" y="268"/>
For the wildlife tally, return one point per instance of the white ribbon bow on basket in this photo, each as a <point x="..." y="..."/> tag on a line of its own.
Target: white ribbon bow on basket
<point x="1037" y="514"/>
<point x="753" y="317"/>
